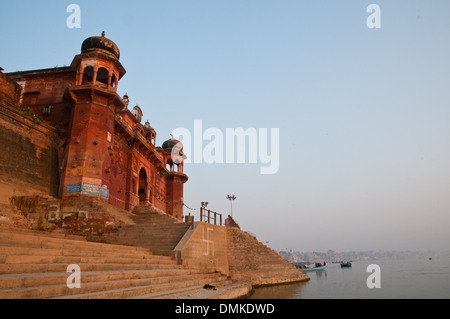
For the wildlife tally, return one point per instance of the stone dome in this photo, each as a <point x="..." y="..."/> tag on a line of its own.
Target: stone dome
<point x="100" y="43"/>
<point x="168" y="146"/>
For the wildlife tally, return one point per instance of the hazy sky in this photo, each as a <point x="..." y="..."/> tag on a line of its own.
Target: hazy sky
<point x="363" y="114"/>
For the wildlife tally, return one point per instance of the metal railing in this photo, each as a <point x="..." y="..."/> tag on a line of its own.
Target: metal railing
<point x="206" y="215"/>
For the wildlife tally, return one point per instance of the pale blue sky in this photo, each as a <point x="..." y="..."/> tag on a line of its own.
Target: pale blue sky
<point x="364" y="114"/>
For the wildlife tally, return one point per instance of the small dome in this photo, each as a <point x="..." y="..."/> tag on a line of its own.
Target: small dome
<point x="137" y="112"/>
<point x="100" y="43"/>
<point x="170" y="144"/>
<point x="148" y="127"/>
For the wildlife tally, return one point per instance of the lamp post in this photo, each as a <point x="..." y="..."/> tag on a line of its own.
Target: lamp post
<point x="202" y="209"/>
<point x="231" y="198"/>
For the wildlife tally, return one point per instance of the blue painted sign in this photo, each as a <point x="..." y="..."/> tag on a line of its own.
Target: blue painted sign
<point x="73" y="189"/>
<point x="104" y="193"/>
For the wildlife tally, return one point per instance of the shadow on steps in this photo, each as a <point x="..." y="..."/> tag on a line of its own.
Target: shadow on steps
<point x="155" y="230"/>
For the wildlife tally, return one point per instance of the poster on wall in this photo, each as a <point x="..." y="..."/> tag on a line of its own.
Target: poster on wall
<point x="91" y="189"/>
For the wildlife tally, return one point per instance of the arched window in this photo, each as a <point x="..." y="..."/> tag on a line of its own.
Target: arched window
<point x="148" y="137"/>
<point x="88" y="75"/>
<point x="113" y="80"/>
<point x="103" y="76"/>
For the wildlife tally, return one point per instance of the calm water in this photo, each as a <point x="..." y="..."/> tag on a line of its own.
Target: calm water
<point x="400" y="279"/>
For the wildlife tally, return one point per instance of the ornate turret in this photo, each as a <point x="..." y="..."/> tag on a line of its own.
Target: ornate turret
<point x="98" y="64"/>
<point x="94" y="104"/>
<point x="172" y="151"/>
<point x="174" y="155"/>
<point x="137" y="112"/>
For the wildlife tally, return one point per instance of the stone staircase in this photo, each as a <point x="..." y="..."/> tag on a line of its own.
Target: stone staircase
<point x="252" y="261"/>
<point x="34" y="265"/>
<point x="158" y="232"/>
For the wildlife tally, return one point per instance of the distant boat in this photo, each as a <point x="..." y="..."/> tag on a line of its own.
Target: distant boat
<point x="346" y="264"/>
<point x="430" y="258"/>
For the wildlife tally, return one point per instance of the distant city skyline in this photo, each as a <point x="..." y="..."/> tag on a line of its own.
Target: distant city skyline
<point x="362" y="113"/>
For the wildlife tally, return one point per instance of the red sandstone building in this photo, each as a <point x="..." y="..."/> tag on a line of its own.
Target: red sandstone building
<point x="103" y="149"/>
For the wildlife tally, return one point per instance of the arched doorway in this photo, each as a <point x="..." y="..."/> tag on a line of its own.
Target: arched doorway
<point x="143" y="186"/>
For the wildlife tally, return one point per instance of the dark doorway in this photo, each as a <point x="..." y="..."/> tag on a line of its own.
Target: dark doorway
<point x="143" y="187"/>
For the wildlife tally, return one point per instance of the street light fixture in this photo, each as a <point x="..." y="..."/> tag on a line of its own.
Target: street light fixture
<point x="231" y="198"/>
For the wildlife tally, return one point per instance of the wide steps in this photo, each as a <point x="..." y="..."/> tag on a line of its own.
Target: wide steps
<point x="34" y="265"/>
<point x="33" y="241"/>
<point x="4" y="250"/>
<point x="102" y="288"/>
<point x="36" y="268"/>
<point x="152" y="230"/>
<point x="30" y="259"/>
<point x="130" y="292"/>
<point x="14" y="281"/>
<point x="223" y="290"/>
<point x="186" y="292"/>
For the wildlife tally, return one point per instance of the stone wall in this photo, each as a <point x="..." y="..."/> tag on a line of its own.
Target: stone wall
<point x="28" y="156"/>
<point x="204" y="246"/>
<point x="84" y="217"/>
<point x="232" y="252"/>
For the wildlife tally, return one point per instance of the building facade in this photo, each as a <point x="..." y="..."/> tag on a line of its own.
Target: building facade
<point x="104" y="151"/>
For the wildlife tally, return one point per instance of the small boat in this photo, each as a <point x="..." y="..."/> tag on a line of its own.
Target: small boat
<point x="346" y="264"/>
<point x="314" y="268"/>
<point x="318" y="268"/>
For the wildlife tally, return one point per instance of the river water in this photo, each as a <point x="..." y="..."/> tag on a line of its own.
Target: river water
<point x="399" y="279"/>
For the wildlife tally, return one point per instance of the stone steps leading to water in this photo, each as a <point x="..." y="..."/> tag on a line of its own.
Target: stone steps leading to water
<point x="34" y="266"/>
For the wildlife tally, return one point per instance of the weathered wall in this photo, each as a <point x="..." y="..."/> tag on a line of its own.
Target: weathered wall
<point x="204" y="246"/>
<point x="236" y="254"/>
<point x="46" y="88"/>
<point x="10" y="91"/>
<point x="85" y="217"/>
<point x="28" y="157"/>
<point x="249" y="260"/>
